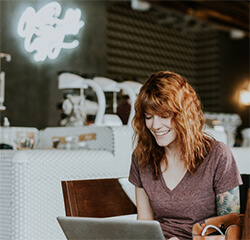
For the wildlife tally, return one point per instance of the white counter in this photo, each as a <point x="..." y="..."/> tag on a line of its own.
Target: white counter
<point x="242" y="157"/>
<point x="30" y="183"/>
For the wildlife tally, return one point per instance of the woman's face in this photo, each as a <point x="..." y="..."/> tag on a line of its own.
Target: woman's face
<point x="162" y="128"/>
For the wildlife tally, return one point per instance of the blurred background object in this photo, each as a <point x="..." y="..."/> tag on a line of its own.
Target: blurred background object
<point x="205" y="41"/>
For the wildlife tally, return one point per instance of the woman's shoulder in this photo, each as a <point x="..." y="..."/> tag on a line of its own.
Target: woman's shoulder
<point x="220" y="154"/>
<point x="135" y="159"/>
<point x="219" y="147"/>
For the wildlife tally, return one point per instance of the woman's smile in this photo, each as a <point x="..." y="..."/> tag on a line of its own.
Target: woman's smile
<point x="162" y="128"/>
<point x="163" y="133"/>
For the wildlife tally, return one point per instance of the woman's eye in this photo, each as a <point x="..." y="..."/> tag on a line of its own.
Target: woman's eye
<point x="147" y="117"/>
<point x="166" y="116"/>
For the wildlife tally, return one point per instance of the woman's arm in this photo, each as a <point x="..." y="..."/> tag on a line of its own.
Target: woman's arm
<point x="228" y="202"/>
<point x="144" y="210"/>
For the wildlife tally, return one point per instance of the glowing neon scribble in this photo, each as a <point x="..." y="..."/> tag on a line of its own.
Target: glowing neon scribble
<point x="44" y="33"/>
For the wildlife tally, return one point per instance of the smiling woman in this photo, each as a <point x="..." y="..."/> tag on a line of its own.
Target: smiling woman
<point x="162" y="128"/>
<point x="181" y="174"/>
<point x="168" y="94"/>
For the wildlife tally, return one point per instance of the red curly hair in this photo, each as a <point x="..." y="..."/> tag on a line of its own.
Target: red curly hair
<point x="169" y="93"/>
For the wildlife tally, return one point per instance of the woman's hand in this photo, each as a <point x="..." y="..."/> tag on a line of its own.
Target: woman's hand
<point x="174" y="238"/>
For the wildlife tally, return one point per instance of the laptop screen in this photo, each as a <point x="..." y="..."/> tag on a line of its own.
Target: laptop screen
<point x="80" y="228"/>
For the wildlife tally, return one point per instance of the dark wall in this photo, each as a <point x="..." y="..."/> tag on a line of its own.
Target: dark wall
<point x="31" y="92"/>
<point x="234" y="57"/>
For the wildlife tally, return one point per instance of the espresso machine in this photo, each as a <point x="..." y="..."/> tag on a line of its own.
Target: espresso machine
<point x="75" y="105"/>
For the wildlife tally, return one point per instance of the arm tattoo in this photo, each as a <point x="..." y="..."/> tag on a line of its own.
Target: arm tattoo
<point x="228" y="202"/>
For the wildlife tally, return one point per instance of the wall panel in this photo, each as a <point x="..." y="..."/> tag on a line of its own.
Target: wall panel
<point x="137" y="46"/>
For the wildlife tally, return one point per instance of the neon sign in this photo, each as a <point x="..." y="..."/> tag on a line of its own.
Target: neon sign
<point x="44" y="33"/>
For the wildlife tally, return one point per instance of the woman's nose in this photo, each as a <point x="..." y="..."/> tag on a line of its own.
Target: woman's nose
<point x="156" y="122"/>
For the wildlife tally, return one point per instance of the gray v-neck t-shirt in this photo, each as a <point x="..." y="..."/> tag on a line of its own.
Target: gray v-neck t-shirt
<point x="194" y="198"/>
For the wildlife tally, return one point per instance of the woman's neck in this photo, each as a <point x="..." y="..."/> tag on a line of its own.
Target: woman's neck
<point x="172" y="152"/>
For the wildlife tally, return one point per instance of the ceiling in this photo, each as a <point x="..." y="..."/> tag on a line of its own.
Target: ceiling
<point x="223" y="15"/>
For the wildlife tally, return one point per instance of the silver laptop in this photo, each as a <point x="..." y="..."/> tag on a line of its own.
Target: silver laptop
<point x="79" y="228"/>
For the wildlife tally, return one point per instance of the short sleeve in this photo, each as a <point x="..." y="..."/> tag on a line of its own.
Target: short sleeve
<point x="227" y="175"/>
<point x="134" y="174"/>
